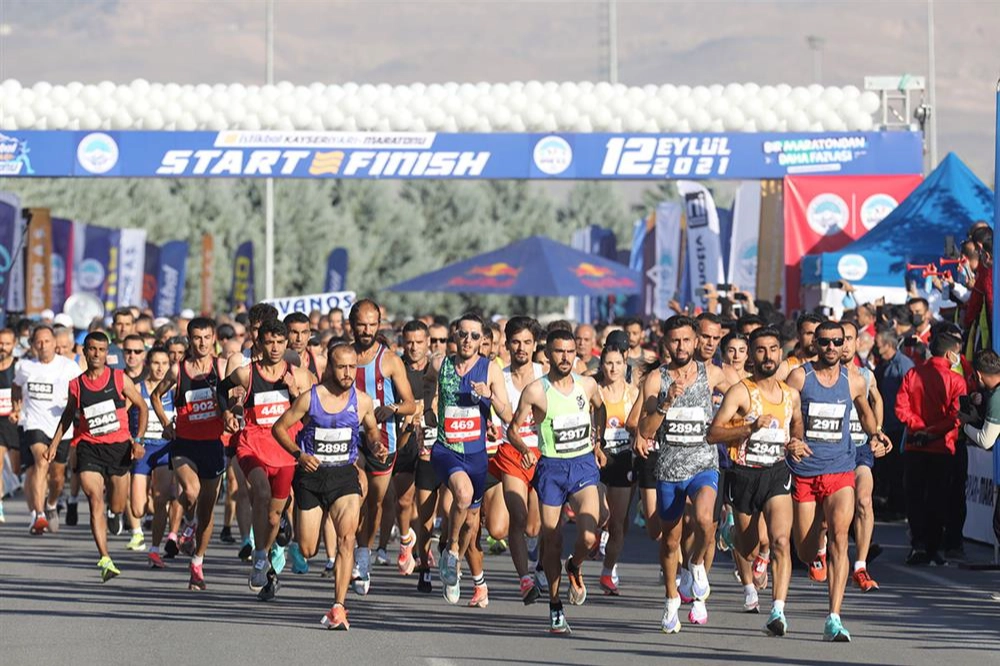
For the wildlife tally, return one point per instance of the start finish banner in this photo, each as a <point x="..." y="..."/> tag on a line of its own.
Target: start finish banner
<point x="407" y="155"/>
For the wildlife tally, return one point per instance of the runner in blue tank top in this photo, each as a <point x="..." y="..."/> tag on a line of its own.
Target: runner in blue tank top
<point x="326" y="481"/>
<point x="823" y="465"/>
<point x="468" y="385"/>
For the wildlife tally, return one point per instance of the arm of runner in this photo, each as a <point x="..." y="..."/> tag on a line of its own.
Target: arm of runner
<point x="734" y="403"/>
<point x="279" y="431"/>
<point x="238" y="378"/>
<point x="498" y="394"/>
<point x="525" y="409"/>
<point x="65" y="423"/>
<point x="373" y="434"/>
<point x="796" y="447"/>
<point x="155" y="399"/>
<point x="859" y="394"/>
<point x="599" y="420"/>
<point x="16" y="401"/>
<point x="717" y="379"/>
<point x="405" y="404"/>
<point x="131" y="391"/>
<point x="648" y="404"/>
<point x="301" y="381"/>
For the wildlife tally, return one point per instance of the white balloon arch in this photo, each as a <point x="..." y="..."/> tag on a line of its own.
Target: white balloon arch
<point x="532" y="106"/>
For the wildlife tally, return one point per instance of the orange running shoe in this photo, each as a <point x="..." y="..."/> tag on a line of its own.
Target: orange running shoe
<point x="817" y="570"/>
<point x="197" y="580"/>
<point x="336" y="618"/>
<point x="39" y="526"/>
<point x="609" y="587"/>
<point x="155" y="561"/>
<point x="864" y="581"/>
<point x="480" y="596"/>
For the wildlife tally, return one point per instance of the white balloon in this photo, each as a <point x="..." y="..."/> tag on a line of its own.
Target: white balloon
<point x="767" y="121"/>
<point x="716" y="90"/>
<point x="864" y="123"/>
<point x="534" y="89"/>
<point x="42" y="88"/>
<point x="869" y="102"/>
<point x="25" y="118"/>
<point x="816" y="90"/>
<point x="517" y="124"/>
<point x="60" y="95"/>
<point x="153" y="121"/>
<point x="203" y="114"/>
<point x="500" y="117"/>
<point x="567" y="116"/>
<point x="106" y="108"/>
<point x="467" y="117"/>
<point x="701" y="94"/>
<point x="817" y="109"/>
<point x="301" y="117"/>
<point x="583" y="125"/>
<point x="333" y="118"/>
<point x="601" y="119"/>
<point x="435" y="118"/>
<point x="799" y="122"/>
<point x="77" y="109"/>
<point x="702" y="121"/>
<point x="251" y="122"/>
<point x="851" y="92"/>
<point x="718" y="107"/>
<point x="833" y="96"/>
<point x="42" y="106"/>
<point x="734" y="120"/>
<point x="603" y="90"/>
<point x="90" y="120"/>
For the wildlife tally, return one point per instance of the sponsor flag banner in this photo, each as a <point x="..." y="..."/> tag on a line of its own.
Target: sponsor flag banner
<point x="93" y="259"/>
<point x="665" y="271"/>
<point x="207" y="273"/>
<point x="642" y="258"/>
<point x="770" y="247"/>
<point x="132" y="257"/>
<point x="824" y="214"/>
<point x="170" y="281"/>
<point x="10" y="220"/>
<point x="242" y="292"/>
<point x="704" y="250"/>
<point x="322" y="302"/>
<point x="599" y="241"/>
<point x="150" y="275"/>
<point x="39" y="286"/>
<point x="495" y="155"/>
<point x="745" y="237"/>
<point x="336" y="270"/>
<point x="61" y="268"/>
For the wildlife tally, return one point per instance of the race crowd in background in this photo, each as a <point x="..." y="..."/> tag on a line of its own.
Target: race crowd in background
<point x="726" y="428"/>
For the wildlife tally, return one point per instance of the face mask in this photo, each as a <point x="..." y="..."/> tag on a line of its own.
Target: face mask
<point x="955" y="360"/>
<point x="863" y="355"/>
<point x="23" y="341"/>
<point x="916" y="319"/>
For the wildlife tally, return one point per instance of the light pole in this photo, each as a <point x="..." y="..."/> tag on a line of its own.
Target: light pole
<point x="269" y="183"/>
<point x="816" y="46"/>
<point x="612" y="41"/>
<point x="931" y="85"/>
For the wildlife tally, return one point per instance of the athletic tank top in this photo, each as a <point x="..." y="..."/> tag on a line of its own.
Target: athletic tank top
<point x="265" y="401"/>
<point x="154" y="429"/>
<point x="8" y="430"/>
<point x="827" y="426"/>
<point x="423" y="388"/>
<point x="197" y="409"/>
<point x="332" y="438"/>
<point x="616" y="438"/>
<point x="101" y="416"/>
<point x="372" y="380"/>
<point x="565" y="431"/>
<point x="764" y="447"/>
<point x="681" y="436"/>
<point x="858" y="436"/>
<point x="311" y="364"/>
<point x="529" y="429"/>
<point x="462" y="414"/>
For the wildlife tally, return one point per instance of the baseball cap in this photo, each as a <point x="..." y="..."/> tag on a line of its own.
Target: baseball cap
<point x="63" y="319"/>
<point x="187" y="313"/>
<point x="48" y="314"/>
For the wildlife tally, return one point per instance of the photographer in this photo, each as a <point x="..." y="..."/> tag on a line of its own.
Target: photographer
<point x="983" y="429"/>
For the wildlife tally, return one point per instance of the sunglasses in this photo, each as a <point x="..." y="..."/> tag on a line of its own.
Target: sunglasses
<point x="465" y="335"/>
<point x="439" y="341"/>
<point x="134" y="351"/>
<point x="826" y="342"/>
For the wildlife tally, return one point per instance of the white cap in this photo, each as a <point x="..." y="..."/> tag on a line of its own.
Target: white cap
<point x="48" y="314"/>
<point x="187" y="313"/>
<point x="62" y="319"/>
<point x="160" y="321"/>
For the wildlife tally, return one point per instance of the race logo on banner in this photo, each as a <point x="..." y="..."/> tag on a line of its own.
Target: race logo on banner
<point x="132" y="256"/>
<point x="827" y="213"/>
<point x="61" y="267"/>
<point x="322" y="303"/>
<point x="665" y="271"/>
<point x="704" y="257"/>
<point x="745" y="237"/>
<point x="336" y="270"/>
<point x="170" y="281"/>
<point x="10" y="220"/>
<point x="39" y="288"/>
<point x="242" y="292"/>
<point x="150" y="275"/>
<point x="93" y="270"/>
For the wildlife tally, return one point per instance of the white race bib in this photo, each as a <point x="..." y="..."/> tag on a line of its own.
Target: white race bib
<point x="333" y="446"/>
<point x="202" y="404"/>
<point x="101" y="418"/>
<point x="685" y="426"/>
<point x="268" y="406"/>
<point x="571" y="432"/>
<point x="766" y="447"/>
<point x="825" y="422"/>
<point x="616" y="440"/>
<point x="462" y="424"/>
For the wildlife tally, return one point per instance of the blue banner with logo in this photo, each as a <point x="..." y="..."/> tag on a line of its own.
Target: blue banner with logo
<point x="241" y="292"/>
<point x="599" y="241"/>
<point x="96" y="271"/>
<point x="336" y="270"/>
<point x="150" y="275"/>
<point x="501" y="155"/>
<point x="60" y="275"/>
<point x="10" y="218"/>
<point x="170" y="279"/>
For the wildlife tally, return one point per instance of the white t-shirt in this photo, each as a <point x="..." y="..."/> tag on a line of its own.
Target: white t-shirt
<point x="45" y="391"/>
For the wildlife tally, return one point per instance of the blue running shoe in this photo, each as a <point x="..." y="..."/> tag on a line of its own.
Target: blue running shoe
<point x="777" y="625"/>
<point x="300" y="565"/>
<point x="834" y="631"/>
<point x="277" y="558"/>
<point x="448" y="568"/>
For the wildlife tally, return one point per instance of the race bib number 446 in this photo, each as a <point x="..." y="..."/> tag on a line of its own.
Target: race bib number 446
<point x="268" y="406"/>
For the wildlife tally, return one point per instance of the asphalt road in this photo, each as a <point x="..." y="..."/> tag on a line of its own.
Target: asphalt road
<point x="55" y="610"/>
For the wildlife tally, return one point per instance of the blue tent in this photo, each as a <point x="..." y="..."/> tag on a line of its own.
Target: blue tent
<point x="945" y="204"/>
<point x="535" y="266"/>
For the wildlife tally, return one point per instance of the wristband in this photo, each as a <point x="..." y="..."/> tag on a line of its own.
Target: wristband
<point x="297" y="454"/>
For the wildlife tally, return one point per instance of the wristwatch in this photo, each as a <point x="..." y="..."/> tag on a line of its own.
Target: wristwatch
<point x="297" y="454"/>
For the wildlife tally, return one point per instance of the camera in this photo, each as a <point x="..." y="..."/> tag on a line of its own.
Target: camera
<point x="837" y="284"/>
<point x="967" y="406"/>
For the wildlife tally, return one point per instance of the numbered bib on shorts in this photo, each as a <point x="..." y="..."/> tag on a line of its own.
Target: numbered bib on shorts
<point x="429" y="437"/>
<point x="6" y="402"/>
<point x="40" y="391"/>
<point x="201" y="403"/>
<point x="529" y="434"/>
<point x="462" y="424"/>
<point x="571" y="433"/>
<point x="685" y="426"/>
<point x="766" y="447"/>
<point x="825" y="422"/>
<point x="858" y="435"/>
<point x="616" y="440"/>
<point x="333" y="446"/>
<point x="268" y="406"/>
<point x="101" y="418"/>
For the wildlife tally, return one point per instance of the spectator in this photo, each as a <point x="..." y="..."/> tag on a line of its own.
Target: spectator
<point x="928" y="405"/>
<point x="981" y="301"/>
<point x="982" y="427"/>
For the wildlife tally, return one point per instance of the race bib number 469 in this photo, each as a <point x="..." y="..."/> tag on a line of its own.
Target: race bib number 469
<point x="462" y="424"/>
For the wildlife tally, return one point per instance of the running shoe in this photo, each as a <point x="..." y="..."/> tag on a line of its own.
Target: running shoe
<point x="834" y="631"/>
<point x="226" y="536"/>
<point x="751" y="601"/>
<point x="270" y="590"/>
<point x="52" y="515"/>
<point x="39" y="526"/>
<point x="496" y="546"/>
<point x="3" y="518"/>
<point x="480" y="596"/>
<point x="448" y="568"/>
<point x="614" y="575"/>
<point x="776" y="623"/>
<point x="246" y="550"/>
<point x="336" y="618"/>
<point x="258" y="574"/>
<point x="577" y="589"/>
<point x="284" y="535"/>
<point x="602" y="547"/>
<point x="197" y="579"/>
<point x="817" y="571"/>
<point x="381" y="557"/>
<point x="557" y="622"/>
<point x="760" y="565"/>
<point x="529" y="591"/>
<point x="685" y="585"/>
<point x="405" y="561"/>
<point x="328" y="569"/>
<point x="917" y="558"/>
<point x="724" y="542"/>
<point x="362" y="563"/>
<point x="452" y="593"/>
<point x="300" y="565"/>
<point x="108" y="569"/>
<point x="671" y="623"/>
<point x="424" y="584"/>
<point x="116" y="524"/>
<point x="864" y="581"/>
<point x="937" y="559"/>
<point x="698" y="613"/>
<point x="700" y="587"/>
<point x="72" y="516"/>
<point x="278" y="559"/>
<point x="186" y="541"/>
<point x="170" y="548"/>
<point x="155" y="561"/>
<point x="608" y="585"/>
<point x="137" y="542"/>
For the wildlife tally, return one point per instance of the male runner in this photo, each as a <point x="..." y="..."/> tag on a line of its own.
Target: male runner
<point x="676" y="408"/>
<point x="122" y="325"/>
<point x="133" y="352"/>
<point x="823" y="465"/>
<point x="382" y="376"/>
<point x="758" y="418"/>
<point x="326" y="480"/>
<point x="299" y="333"/>
<point x="8" y="419"/>
<point x="104" y="447"/>
<point x="39" y="395"/>
<point x="269" y="386"/>
<point x="468" y="385"/>
<point x="570" y="412"/>
<point x="196" y="454"/>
